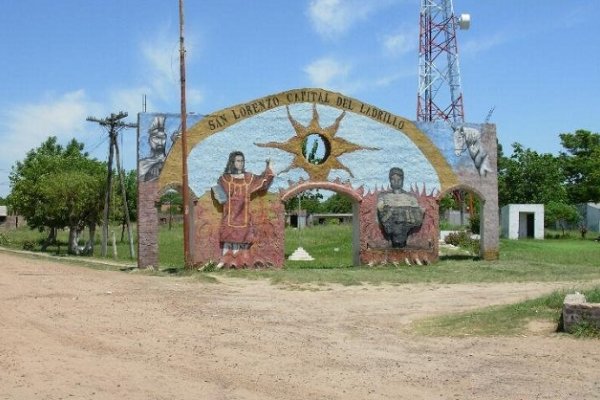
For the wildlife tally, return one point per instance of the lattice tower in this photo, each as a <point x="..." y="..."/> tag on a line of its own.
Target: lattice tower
<point x="440" y="95"/>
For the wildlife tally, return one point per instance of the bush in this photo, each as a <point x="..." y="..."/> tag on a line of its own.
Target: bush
<point x="455" y="238"/>
<point x="463" y="239"/>
<point x="585" y="329"/>
<point x="29" y="245"/>
<point x="4" y="241"/>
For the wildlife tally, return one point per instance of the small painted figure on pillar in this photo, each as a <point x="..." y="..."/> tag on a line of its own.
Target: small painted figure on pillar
<point x="234" y="190"/>
<point x="398" y="211"/>
<point x="149" y="168"/>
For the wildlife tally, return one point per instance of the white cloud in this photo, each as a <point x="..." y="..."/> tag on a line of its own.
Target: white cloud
<point x="392" y="78"/>
<point x="474" y="46"/>
<point x="327" y="73"/>
<point x="161" y="61"/>
<point x="26" y="126"/>
<point x="194" y="98"/>
<point x="332" y="18"/>
<point x="130" y="100"/>
<point x="161" y="69"/>
<point x="401" y="42"/>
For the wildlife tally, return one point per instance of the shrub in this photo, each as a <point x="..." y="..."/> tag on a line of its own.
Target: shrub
<point x="28" y="245"/>
<point x="4" y="241"/>
<point x="585" y="329"/>
<point x="463" y="239"/>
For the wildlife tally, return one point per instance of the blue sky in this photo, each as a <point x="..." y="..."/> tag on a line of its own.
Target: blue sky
<point x="537" y="62"/>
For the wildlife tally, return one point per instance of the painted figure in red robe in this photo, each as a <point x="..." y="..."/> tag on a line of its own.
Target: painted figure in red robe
<point x="234" y="189"/>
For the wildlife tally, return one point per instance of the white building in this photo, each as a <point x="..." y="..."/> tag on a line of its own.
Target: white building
<point x="519" y="221"/>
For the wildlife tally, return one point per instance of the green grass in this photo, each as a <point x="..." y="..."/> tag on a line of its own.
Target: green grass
<point x="329" y="245"/>
<point x="571" y="259"/>
<point x="24" y="238"/>
<point x="509" y="319"/>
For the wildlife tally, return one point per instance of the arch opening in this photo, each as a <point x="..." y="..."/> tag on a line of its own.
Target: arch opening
<point x="461" y="223"/>
<point x="321" y="228"/>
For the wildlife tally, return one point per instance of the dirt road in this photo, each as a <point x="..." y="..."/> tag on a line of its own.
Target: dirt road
<point x="69" y="332"/>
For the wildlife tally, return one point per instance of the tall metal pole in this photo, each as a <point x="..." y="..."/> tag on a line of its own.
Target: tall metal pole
<point x="184" y="170"/>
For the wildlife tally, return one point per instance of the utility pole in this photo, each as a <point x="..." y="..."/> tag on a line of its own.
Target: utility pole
<point x="114" y="124"/>
<point x="185" y="192"/>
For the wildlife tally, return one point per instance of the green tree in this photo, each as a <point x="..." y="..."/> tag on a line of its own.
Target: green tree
<point x="56" y="187"/>
<point x="117" y="211"/>
<point x="504" y="192"/>
<point x="560" y="214"/>
<point x="530" y="177"/>
<point x="581" y="164"/>
<point x="174" y="200"/>
<point x="308" y="200"/>
<point x="337" y="203"/>
<point x="131" y="191"/>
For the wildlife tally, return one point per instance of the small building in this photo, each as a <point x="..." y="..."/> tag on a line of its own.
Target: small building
<point x="3" y="214"/>
<point x="590" y="214"/>
<point x="322" y="218"/>
<point x="521" y="221"/>
<point x="296" y="219"/>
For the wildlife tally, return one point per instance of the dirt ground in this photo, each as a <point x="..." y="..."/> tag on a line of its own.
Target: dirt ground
<point x="72" y="332"/>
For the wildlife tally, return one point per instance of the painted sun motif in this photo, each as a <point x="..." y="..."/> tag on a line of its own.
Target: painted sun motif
<point x="333" y="147"/>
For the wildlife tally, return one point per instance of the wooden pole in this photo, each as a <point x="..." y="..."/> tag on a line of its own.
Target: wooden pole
<point x="114" y="124"/>
<point x="184" y="170"/>
<point x="111" y="134"/>
<point x="125" y="206"/>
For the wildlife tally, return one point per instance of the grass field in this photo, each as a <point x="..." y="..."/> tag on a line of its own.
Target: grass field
<point x="570" y="259"/>
<point x="507" y="320"/>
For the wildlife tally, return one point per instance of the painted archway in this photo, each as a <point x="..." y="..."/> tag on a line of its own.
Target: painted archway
<point x="360" y="144"/>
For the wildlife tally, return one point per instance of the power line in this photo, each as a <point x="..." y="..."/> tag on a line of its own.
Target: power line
<point x="114" y="124"/>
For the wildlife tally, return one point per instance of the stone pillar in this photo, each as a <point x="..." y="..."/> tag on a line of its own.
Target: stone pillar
<point x="147" y="224"/>
<point x="490" y="237"/>
<point x="577" y="310"/>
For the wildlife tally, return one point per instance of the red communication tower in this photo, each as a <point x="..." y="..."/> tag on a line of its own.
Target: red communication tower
<point x="440" y="94"/>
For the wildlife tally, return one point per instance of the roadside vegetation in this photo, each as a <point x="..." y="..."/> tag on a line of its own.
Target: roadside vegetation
<point x="509" y="319"/>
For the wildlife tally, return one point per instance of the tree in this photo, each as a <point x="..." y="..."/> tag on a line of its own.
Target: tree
<point x="581" y="164"/>
<point x="337" y="203"/>
<point x="117" y="213"/>
<point x="174" y="200"/>
<point x="530" y="177"/>
<point x="504" y="192"/>
<point x="131" y="191"/>
<point x="561" y="214"/>
<point x="56" y="187"/>
<point x="308" y="200"/>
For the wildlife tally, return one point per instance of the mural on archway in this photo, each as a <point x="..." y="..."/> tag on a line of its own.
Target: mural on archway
<point x="244" y="160"/>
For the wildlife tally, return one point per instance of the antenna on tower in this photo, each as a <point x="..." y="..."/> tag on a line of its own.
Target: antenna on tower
<point x="489" y="115"/>
<point x="440" y="95"/>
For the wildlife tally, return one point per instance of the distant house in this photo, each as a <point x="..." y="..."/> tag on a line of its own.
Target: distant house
<point x="522" y="221"/>
<point x="590" y="213"/>
<point x="3" y="214"/>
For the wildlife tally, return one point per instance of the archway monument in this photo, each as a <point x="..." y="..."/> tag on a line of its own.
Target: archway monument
<point x="395" y="171"/>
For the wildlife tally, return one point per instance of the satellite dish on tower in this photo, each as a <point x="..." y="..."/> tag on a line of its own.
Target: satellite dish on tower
<point x="464" y="21"/>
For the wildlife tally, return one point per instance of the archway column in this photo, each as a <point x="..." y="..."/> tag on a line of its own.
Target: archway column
<point x="147" y="224"/>
<point x="490" y="220"/>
